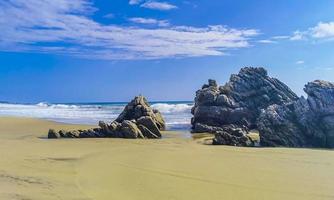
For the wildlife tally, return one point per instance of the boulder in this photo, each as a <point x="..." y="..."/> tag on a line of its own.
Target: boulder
<point x="52" y="134"/>
<point x="147" y="133"/>
<point x="158" y="119"/>
<point x="149" y="123"/>
<point x="237" y="104"/>
<point x="234" y="136"/>
<point x="72" y="134"/>
<point x="62" y="133"/>
<point x="130" y="130"/>
<point x="302" y="123"/>
<point x="104" y="127"/>
<point x="90" y="133"/>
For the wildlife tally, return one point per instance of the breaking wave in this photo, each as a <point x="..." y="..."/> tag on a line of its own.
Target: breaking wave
<point x="172" y="108"/>
<point x="177" y="115"/>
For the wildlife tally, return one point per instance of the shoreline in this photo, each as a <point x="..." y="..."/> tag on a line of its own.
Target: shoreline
<point x="170" y="168"/>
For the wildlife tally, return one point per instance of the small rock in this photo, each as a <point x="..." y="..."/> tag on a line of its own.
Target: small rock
<point x="52" y="134"/>
<point x="147" y="133"/>
<point x="130" y="130"/>
<point x="148" y="122"/>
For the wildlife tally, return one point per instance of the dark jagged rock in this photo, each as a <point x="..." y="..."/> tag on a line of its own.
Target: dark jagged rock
<point x="53" y="134"/>
<point x="149" y="123"/>
<point x="130" y="130"/>
<point x="233" y="135"/>
<point x="138" y="120"/>
<point x="147" y="133"/>
<point x="138" y="108"/>
<point x="302" y="123"/>
<point x="238" y="103"/>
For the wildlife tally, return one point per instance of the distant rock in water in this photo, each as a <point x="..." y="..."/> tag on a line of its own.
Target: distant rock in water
<point x="230" y="111"/>
<point x="302" y="123"/>
<point x="138" y="120"/>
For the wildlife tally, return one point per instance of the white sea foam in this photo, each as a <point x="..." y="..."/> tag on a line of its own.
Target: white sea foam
<point x="59" y="112"/>
<point x="172" y="108"/>
<point x="43" y="104"/>
<point x="177" y="115"/>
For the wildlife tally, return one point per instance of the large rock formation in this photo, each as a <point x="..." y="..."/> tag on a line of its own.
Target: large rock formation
<point x="139" y="108"/>
<point x="303" y="123"/>
<point x="138" y="120"/>
<point x="232" y="110"/>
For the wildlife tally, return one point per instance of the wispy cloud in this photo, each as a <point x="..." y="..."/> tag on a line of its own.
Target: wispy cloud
<point x="274" y="39"/>
<point x="322" y="31"/>
<point x="324" y="68"/>
<point x="66" y="27"/>
<point x="280" y="37"/>
<point x="190" y="3"/>
<point x="134" y="2"/>
<point x="297" y="35"/>
<point x="141" y="20"/>
<point x="109" y="16"/>
<point x="267" y="41"/>
<point x="300" y="62"/>
<point x="156" y="5"/>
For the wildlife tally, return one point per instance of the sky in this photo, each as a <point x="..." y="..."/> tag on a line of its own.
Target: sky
<point x="113" y="50"/>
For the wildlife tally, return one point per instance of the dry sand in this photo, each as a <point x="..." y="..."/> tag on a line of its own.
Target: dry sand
<point x="32" y="168"/>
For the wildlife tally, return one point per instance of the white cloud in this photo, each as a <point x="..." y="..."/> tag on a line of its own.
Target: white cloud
<point x="65" y="27"/>
<point x="267" y="41"/>
<point x="156" y="5"/>
<point x="323" y="30"/>
<point x="300" y="62"/>
<point x="190" y="3"/>
<point x="109" y="16"/>
<point x="297" y="35"/>
<point x="134" y="2"/>
<point x="280" y="37"/>
<point x="274" y="39"/>
<point x="141" y="20"/>
<point x="324" y="68"/>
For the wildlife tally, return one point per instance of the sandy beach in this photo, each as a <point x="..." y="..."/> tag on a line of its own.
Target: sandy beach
<point x="170" y="168"/>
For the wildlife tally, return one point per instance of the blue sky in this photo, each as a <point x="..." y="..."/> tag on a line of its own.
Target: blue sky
<point x="84" y="50"/>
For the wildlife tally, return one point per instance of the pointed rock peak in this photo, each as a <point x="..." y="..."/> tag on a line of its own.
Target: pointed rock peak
<point x="211" y="83"/>
<point x="138" y="108"/>
<point x="139" y="100"/>
<point x="253" y="70"/>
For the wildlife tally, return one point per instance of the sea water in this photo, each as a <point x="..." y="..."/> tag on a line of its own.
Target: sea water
<point x="176" y="114"/>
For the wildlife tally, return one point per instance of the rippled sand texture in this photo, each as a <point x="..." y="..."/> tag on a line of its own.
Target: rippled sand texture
<point x="171" y="168"/>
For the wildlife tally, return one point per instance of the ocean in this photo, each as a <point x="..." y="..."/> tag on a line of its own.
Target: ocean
<point x="176" y="114"/>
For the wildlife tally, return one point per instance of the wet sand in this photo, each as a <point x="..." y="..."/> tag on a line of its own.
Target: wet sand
<point x="171" y="168"/>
